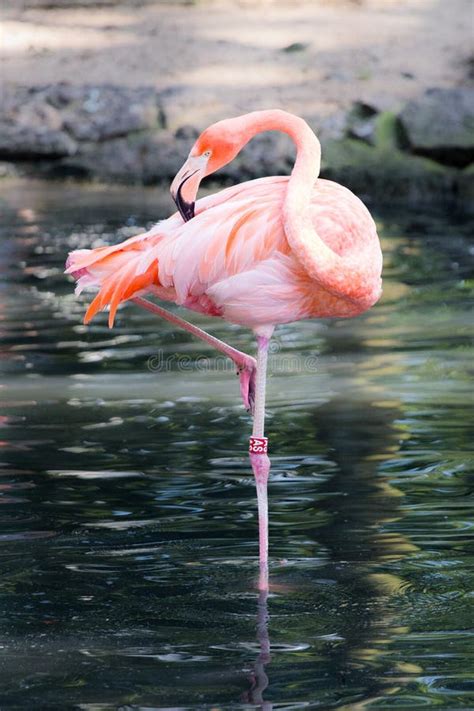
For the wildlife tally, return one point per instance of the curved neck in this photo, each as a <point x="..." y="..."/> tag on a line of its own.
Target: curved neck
<point x="308" y="153"/>
<point x="343" y="277"/>
<point x="299" y="229"/>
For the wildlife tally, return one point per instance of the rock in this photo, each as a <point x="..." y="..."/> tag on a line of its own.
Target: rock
<point x="385" y="175"/>
<point x="187" y="133"/>
<point x="30" y="128"/>
<point x="388" y="133"/>
<point x="360" y="122"/>
<point x="333" y="126"/>
<point x="50" y="121"/>
<point x="440" y="125"/>
<point x="38" y="113"/>
<point x="62" y="95"/>
<point x="374" y="126"/>
<point x="141" y="158"/>
<point x="102" y="112"/>
<point x="295" y="47"/>
<point x="28" y="142"/>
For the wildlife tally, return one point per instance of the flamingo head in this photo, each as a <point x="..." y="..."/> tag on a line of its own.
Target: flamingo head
<point x="215" y="147"/>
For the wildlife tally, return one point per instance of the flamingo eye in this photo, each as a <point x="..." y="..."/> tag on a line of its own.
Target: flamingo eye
<point x="207" y="154"/>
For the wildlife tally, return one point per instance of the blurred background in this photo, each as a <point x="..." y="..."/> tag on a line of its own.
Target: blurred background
<point x="117" y="91"/>
<point x="128" y="546"/>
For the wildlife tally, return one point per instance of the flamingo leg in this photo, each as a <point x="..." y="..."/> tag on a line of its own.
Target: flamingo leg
<point x="245" y="364"/>
<point x="259" y="458"/>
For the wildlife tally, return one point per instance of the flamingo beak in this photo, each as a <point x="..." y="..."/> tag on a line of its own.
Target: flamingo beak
<point x="186" y="184"/>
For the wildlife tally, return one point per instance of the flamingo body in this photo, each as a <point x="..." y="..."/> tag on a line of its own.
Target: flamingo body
<point x="262" y="253"/>
<point x="233" y="259"/>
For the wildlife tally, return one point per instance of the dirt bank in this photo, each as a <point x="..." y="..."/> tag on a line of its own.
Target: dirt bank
<point x="220" y="58"/>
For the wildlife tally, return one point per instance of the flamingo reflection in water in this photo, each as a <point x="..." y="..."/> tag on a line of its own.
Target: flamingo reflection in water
<point x="259" y="678"/>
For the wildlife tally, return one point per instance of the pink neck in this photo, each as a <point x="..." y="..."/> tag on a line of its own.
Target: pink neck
<point x="299" y="229"/>
<point x="308" y="153"/>
<point x="352" y="279"/>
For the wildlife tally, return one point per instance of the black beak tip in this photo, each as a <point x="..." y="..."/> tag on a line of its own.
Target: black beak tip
<point x="186" y="209"/>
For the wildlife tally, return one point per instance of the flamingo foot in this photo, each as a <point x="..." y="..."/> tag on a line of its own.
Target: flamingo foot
<point x="246" y="372"/>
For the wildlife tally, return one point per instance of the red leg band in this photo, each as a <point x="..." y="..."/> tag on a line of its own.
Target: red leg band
<point x="258" y="445"/>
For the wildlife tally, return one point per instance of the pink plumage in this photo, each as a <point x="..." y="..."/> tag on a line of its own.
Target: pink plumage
<point x="233" y="258"/>
<point x="262" y="253"/>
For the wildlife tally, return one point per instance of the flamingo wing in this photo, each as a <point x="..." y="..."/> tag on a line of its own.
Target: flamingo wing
<point x="232" y="259"/>
<point x="178" y="261"/>
<point x="226" y="239"/>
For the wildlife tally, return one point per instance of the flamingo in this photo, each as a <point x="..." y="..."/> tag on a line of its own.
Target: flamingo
<point x="261" y="253"/>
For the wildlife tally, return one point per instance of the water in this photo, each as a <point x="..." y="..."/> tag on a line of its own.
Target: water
<point x="128" y="540"/>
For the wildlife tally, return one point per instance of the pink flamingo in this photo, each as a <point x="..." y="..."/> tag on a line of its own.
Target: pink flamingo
<point x="262" y="253"/>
